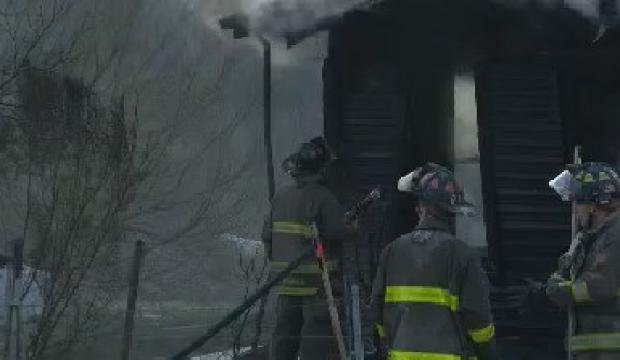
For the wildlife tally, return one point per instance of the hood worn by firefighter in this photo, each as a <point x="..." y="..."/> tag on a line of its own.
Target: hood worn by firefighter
<point x="303" y="323"/>
<point x="430" y="295"/>
<point x="588" y="279"/>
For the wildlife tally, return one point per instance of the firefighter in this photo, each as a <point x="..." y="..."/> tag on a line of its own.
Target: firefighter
<point x="588" y="278"/>
<point x="430" y="295"/>
<point x="303" y="325"/>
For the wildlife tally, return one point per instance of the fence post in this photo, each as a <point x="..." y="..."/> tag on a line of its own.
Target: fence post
<point x="131" y="301"/>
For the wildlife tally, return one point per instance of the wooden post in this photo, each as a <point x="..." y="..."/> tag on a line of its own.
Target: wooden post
<point x="267" y="114"/>
<point x="131" y="301"/>
<point x="270" y="172"/>
<point x="356" y="319"/>
<point x="12" y="345"/>
<point x="8" y="325"/>
<point x="571" y="307"/>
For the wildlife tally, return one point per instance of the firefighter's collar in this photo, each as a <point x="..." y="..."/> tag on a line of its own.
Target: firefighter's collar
<point x="615" y="216"/>
<point x="304" y="180"/>
<point x="433" y="223"/>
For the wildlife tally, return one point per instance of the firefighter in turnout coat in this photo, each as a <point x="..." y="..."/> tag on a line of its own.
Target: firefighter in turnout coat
<point x="430" y="295"/>
<point x="303" y="324"/>
<point x="588" y="279"/>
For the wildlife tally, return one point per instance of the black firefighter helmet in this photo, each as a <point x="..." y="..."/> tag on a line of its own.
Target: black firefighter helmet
<point x="310" y="159"/>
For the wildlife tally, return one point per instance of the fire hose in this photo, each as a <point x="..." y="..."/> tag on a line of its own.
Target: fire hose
<point x="327" y="287"/>
<point x="248" y="303"/>
<point x="315" y="250"/>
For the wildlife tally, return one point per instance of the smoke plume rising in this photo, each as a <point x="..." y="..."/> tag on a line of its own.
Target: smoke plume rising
<point x="273" y="17"/>
<point x="587" y="8"/>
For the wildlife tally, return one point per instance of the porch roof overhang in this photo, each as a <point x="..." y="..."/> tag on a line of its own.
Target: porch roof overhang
<point x="294" y="25"/>
<point x="289" y="28"/>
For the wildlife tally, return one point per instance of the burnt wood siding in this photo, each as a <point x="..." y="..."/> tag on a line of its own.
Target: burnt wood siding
<point x="364" y="112"/>
<point x="523" y="150"/>
<point x="528" y="226"/>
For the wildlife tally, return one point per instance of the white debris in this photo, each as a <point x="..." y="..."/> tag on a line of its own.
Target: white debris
<point x="246" y="247"/>
<point x="222" y="355"/>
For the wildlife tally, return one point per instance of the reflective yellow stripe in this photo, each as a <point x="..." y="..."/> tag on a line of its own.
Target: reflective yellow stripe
<point x="580" y="292"/>
<point x="297" y="291"/>
<point x="380" y="330"/>
<point x="588" y="342"/>
<point x="293" y="228"/>
<point x="421" y="294"/>
<point x="309" y="269"/>
<point x="409" y="355"/>
<point x="482" y="335"/>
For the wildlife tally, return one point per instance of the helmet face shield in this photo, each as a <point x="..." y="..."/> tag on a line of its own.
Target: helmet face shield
<point x="592" y="182"/>
<point x="464" y="206"/>
<point x="288" y="165"/>
<point x="565" y="185"/>
<point x="405" y="183"/>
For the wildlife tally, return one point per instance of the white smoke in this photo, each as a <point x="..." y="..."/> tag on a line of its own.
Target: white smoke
<point x="273" y="17"/>
<point x="590" y="9"/>
<point x="587" y="8"/>
<point x="518" y="4"/>
<point x="277" y="16"/>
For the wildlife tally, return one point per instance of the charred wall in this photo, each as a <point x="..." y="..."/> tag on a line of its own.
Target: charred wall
<point x="543" y="87"/>
<point x="590" y="98"/>
<point x="370" y="54"/>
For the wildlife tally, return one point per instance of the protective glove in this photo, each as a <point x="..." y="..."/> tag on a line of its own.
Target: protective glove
<point x="534" y="301"/>
<point x="353" y="226"/>
<point x="534" y="287"/>
<point x="559" y="290"/>
<point x="486" y="351"/>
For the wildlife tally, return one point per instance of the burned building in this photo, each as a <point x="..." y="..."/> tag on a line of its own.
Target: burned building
<point x="540" y="86"/>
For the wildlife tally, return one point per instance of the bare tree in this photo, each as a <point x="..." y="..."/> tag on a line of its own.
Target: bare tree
<point x="33" y="34"/>
<point x="252" y="274"/>
<point x="81" y="176"/>
<point x="76" y="165"/>
<point x="87" y="186"/>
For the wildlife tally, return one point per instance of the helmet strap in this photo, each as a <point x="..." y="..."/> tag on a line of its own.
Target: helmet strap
<point x="425" y="209"/>
<point x="600" y="215"/>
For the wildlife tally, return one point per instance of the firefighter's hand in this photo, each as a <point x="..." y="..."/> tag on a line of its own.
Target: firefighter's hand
<point x="267" y="251"/>
<point x="353" y="226"/>
<point x="533" y="285"/>
<point x="486" y="351"/>
<point x="534" y="301"/>
<point x="558" y="290"/>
